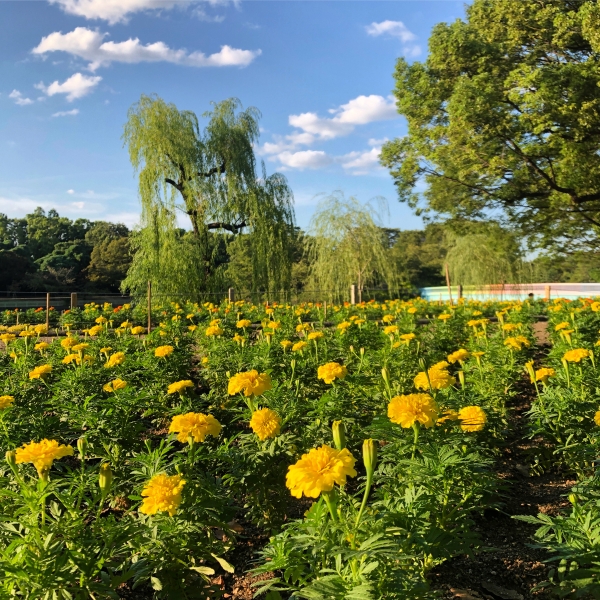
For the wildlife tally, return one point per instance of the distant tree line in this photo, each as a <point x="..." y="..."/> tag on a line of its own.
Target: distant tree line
<point x="46" y="252"/>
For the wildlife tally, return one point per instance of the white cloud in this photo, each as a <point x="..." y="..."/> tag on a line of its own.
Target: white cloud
<point x="376" y="142"/>
<point x="19" y="99"/>
<point x="305" y="159"/>
<point x="75" y="87"/>
<point x="70" y="191"/>
<point x="117" y="11"/>
<point x="398" y="30"/>
<point x="358" y="111"/>
<point x="361" y="163"/>
<point x="66" y="113"/>
<point x="90" y="45"/>
<point x="78" y="205"/>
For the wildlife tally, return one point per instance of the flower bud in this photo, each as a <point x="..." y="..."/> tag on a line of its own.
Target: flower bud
<point x="105" y="478"/>
<point x="11" y="458"/>
<point x="385" y="373"/>
<point x="82" y="446"/>
<point x="573" y="499"/>
<point x="339" y="435"/>
<point x="369" y="456"/>
<point x="362" y="352"/>
<point x="461" y="378"/>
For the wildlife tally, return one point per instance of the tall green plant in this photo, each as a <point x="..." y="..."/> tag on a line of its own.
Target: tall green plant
<point x="211" y="177"/>
<point x="346" y="246"/>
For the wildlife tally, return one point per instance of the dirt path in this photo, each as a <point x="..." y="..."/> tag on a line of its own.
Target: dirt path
<point x="508" y="568"/>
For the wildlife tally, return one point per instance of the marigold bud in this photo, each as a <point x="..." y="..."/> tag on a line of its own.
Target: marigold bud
<point x="11" y="458"/>
<point x="105" y="478"/>
<point x="339" y="435"/>
<point x="573" y="499"/>
<point x="369" y="456"/>
<point x="385" y="373"/>
<point x="82" y="446"/>
<point x="461" y="378"/>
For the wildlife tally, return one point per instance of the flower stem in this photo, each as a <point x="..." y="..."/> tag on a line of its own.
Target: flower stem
<point x="331" y="505"/>
<point x="416" y="439"/>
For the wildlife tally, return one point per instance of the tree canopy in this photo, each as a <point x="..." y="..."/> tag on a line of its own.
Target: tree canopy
<point x="346" y="246"/>
<point x="211" y="176"/>
<point x="504" y="120"/>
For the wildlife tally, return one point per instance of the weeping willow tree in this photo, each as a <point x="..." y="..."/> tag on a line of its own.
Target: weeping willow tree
<point x="210" y="177"/>
<point x="346" y="246"/>
<point x="490" y="257"/>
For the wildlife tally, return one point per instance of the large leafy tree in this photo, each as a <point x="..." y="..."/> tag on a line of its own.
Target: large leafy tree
<point x="504" y="120"/>
<point x="210" y="176"/>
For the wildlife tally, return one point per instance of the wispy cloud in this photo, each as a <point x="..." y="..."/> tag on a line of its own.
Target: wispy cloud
<point x="90" y="46"/>
<point x="74" y="87"/>
<point x="396" y="29"/>
<point x="119" y="11"/>
<point x="66" y="113"/>
<point x="19" y="98"/>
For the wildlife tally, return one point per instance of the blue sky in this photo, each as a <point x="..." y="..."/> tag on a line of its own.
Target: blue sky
<point x="320" y="73"/>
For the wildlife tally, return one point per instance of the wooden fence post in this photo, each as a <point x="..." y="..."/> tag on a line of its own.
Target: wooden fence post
<point x="73" y="300"/>
<point x="47" y="312"/>
<point x="149" y="306"/>
<point x="448" y="283"/>
<point x="547" y="293"/>
<point x="231" y="295"/>
<point x="325" y="310"/>
<point x="460" y="291"/>
<point x="353" y="294"/>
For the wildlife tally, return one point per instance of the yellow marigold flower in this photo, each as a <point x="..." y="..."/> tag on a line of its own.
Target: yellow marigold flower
<point x="516" y="343"/>
<point x="238" y="338"/>
<point x="509" y="327"/>
<point x="105" y="350"/>
<point x="118" y="358"/>
<point x="406" y="337"/>
<point x="319" y="470"/>
<point x="101" y="320"/>
<point x="162" y="494"/>
<point x="27" y="334"/>
<point x="563" y="325"/>
<point x="8" y="337"/>
<point x="39" y="329"/>
<point x="439" y="378"/>
<point x="298" y="346"/>
<point x="412" y="408"/>
<point x="114" y="385"/>
<point x="69" y="342"/>
<point x="41" y="346"/>
<point x="163" y="351"/>
<point x="191" y="328"/>
<point x="251" y="383"/>
<point x="331" y="371"/>
<point x="42" y="455"/>
<point x="344" y="325"/>
<point x="576" y="355"/>
<point x="316" y="335"/>
<point x="194" y="425"/>
<point x="138" y="330"/>
<point x="69" y="358"/>
<point x="477" y="313"/>
<point x="595" y="306"/>
<point x="597" y="418"/>
<point x="80" y="347"/>
<point x="243" y="323"/>
<point x="265" y="423"/>
<point x="40" y="372"/>
<point x="412" y="310"/>
<point x="390" y="329"/>
<point x="302" y="327"/>
<point x="444" y="316"/>
<point x="179" y="386"/>
<point x="544" y="374"/>
<point x="449" y="415"/>
<point x="213" y="331"/>
<point x="95" y="330"/>
<point x="359" y="321"/>
<point x="472" y="418"/>
<point x="125" y="325"/>
<point x="388" y="318"/>
<point x="478" y="354"/>
<point x="286" y="344"/>
<point x="275" y="325"/>
<point x="205" y="360"/>
<point x="6" y="402"/>
<point x="459" y="356"/>
<point x="397" y="344"/>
